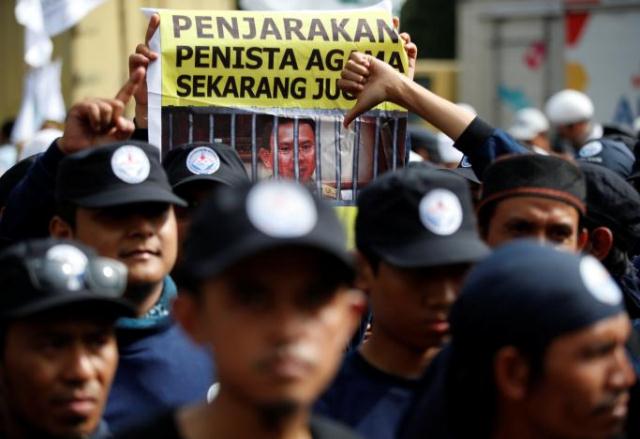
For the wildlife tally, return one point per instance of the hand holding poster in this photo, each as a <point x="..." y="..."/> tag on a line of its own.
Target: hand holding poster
<point x="266" y="84"/>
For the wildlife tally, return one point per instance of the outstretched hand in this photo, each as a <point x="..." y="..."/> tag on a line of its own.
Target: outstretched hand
<point x="98" y="121"/>
<point x="371" y="81"/>
<point x="142" y="57"/>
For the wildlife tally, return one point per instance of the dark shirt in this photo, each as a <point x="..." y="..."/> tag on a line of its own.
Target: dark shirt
<point x="370" y="401"/>
<point x="160" y="368"/>
<point x="165" y="427"/>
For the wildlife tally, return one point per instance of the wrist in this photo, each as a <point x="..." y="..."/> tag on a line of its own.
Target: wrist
<point x="398" y="91"/>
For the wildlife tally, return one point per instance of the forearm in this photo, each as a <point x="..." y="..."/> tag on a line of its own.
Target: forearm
<point x="441" y="113"/>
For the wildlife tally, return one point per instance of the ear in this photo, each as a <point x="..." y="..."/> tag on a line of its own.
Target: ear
<point x="356" y="305"/>
<point x="59" y="228"/>
<point x="583" y="238"/>
<point x="185" y="312"/>
<point x="365" y="275"/>
<point x="511" y="373"/>
<point x="265" y="156"/>
<point x="601" y="240"/>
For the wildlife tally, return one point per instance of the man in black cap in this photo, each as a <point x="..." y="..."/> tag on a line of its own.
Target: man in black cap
<point x="613" y="222"/>
<point x="531" y="356"/>
<point x="267" y="287"/>
<point x="117" y="199"/>
<point x="416" y="238"/>
<point x="535" y="196"/>
<point x="58" y="308"/>
<point x="194" y="170"/>
<point x="550" y="212"/>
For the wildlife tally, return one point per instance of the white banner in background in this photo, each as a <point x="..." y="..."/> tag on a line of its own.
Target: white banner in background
<point x="43" y="19"/>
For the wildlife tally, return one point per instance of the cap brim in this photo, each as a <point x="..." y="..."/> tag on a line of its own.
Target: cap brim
<point x="130" y="195"/>
<point x="461" y="249"/>
<point x="466" y="173"/>
<point x="100" y="306"/>
<point x="256" y="245"/>
<point x="211" y="178"/>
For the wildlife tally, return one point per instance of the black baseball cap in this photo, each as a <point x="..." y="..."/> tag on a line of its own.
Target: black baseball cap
<point x="527" y="294"/>
<point x="534" y="175"/>
<point x="418" y="217"/>
<point x="112" y="175"/>
<point x="202" y="161"/>
<point x="251" y="219"/>
<point x="51" y="274"/>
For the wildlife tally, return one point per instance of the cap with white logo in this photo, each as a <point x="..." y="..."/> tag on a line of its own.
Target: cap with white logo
<point x="281" y="210"/>
<point x="203" y="161"/>
<point x="440" y="211"/>
<point x="418" y="217"/>
<point x="251" y="219"/>
<point x="111" y="175"/>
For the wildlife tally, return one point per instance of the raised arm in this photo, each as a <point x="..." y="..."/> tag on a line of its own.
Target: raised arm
<point x="373" y="81"/>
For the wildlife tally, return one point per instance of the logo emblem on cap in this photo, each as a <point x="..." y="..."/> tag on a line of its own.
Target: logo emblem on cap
<point x="73" y="263"/>
<point x="598" y="281"/>
<point x="203" y="161"/>
<point x="590" y="149"/>
<point x="281" y="209"/>
<point x="441" y="212"/>
<point x="465" y="163"/>
<point x="130" y="164"/>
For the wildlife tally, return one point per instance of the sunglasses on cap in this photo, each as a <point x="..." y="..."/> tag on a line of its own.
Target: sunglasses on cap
<point x="102" y="276"/>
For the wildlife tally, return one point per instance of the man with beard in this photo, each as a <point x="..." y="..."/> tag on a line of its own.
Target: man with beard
<point x="531" y="356"/>
<point x="58" y="309"/>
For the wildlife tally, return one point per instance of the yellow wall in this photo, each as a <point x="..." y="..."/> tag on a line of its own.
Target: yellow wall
<point x="94" y="52"/>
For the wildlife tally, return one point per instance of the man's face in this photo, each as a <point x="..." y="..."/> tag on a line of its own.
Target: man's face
<point x="575" y="133"/>
<point x="583" y="392"/>
<point x="541" y="140"/>
<point x="412" y="306"/>
<point x="548" y="221"/>
<point x="56" y="374"/>
<point x="142" y="236"/>
<point x="278" y="326"/>
<point x="306" y="151"/>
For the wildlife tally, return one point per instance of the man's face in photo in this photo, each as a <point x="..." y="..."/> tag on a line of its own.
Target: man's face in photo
<point x="286" y="142"/>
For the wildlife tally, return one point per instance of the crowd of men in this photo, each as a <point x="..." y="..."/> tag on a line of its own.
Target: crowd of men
<point x="177" y="299"/>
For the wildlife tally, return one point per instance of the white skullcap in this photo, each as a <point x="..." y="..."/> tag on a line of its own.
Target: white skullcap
<point x="528" y="123"/>
<point x="569" y="106"/>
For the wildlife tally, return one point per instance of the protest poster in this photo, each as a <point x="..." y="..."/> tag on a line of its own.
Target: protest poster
<point x="265" y="83"/>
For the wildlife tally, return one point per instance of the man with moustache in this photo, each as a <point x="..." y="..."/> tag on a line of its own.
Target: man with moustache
<point x="58" y="308"/>
<point x="267" y="286"/>
<point x="531" y="356"/>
